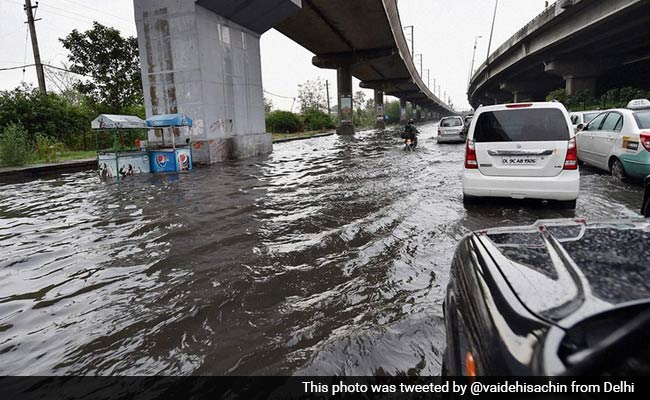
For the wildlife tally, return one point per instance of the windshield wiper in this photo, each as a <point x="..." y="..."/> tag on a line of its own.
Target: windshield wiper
<point x="612" y="350"/>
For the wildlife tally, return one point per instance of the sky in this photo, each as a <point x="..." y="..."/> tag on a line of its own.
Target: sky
<point x="444" y="34"/>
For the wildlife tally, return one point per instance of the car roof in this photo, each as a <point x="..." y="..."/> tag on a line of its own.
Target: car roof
<point x="549" y="264"/>
<point x="530" y="105"/>
<point x="588" y="112"/>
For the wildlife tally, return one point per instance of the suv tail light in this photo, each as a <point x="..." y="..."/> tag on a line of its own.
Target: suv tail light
<point x="470" y="155"/>
<point x="571" y="161"/>
<point x="519" y="105"/>
<point x="645" y="140"/>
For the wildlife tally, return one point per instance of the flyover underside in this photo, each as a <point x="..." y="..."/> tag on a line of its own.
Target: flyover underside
<point x="365" y="35"/>
<point x="609" y="48"/>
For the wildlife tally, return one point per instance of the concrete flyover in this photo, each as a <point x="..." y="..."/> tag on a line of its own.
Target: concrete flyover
<point x="579" y="45"/>
<point x="202" y="58"/>
<point x="365" y="39"/>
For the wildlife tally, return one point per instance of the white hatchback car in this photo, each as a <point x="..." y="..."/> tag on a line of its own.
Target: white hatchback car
<point x="451" y="130"/>
<point x="522" y="151"/>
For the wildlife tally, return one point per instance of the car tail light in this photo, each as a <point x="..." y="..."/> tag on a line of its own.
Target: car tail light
<point x="439" y="131"/>
<point x="571" y="161"/>
<point x="470" y="155"/>
<point x="470" y="365"/>
<point x="522" y="105"/>
<point x="645" y="140"/>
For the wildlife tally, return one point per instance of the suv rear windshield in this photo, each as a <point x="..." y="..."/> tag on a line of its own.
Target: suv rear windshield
<point x="643" y="119"/>
<point x="517" y="125"/>
<point x="451" y="122"/>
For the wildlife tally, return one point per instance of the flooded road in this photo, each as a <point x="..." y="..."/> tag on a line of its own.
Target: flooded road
<point x="329" y="256"/>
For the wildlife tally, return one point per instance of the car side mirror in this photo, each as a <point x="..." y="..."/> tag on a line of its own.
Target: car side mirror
<point x="580" y="127"/>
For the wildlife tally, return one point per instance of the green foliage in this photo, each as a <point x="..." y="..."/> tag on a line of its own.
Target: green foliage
<point x="111" y="62"/>
<point x="314" y="120"/>
<point x="51" y="115"/>
<point x="312" y="96"/>
<point x="584" y="100"/>
<point x="134" y="109"/>
<point x="15" y="147"/>
<point x="392" y="112"/>
<point x="283" y="122"/>
<point x="268" y="106"/>
<point x="47" y="149"/>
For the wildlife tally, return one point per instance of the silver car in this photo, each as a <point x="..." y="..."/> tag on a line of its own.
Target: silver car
<point x="451" y="130"/>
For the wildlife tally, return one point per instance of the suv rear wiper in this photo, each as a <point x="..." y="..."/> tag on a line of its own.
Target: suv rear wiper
<point x="613" y="349"/>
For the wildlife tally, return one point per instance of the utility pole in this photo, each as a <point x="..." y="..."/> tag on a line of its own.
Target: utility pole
<point x="428" y="77"/>
<point x="471" y="68"/>
<point x="29" y="9"/>
<point x="329" y="110"/>
<point x="494" y="18"/>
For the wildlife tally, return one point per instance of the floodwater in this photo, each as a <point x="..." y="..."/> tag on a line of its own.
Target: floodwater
<point x="330" y="256"/>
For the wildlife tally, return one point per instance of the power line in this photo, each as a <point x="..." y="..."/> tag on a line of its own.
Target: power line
<point x="72" y="15"/>
<point x="97" y="10"/>
<point x="277" y="95"/>
<point x="45" y="65"/>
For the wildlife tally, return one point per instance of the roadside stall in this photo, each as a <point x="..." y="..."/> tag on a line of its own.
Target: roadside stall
<point x="170" y="143"/>
<point x="120" y="141"/>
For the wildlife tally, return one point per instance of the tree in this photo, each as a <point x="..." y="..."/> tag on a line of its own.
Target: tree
<point x="111" y="63"/>
<point x="312" y="97"/>
<point x="268" y="106"/>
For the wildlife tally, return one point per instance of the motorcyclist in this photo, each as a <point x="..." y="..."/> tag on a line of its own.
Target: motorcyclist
<point x="410" y="132"/>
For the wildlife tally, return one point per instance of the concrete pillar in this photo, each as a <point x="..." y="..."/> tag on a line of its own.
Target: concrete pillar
<point x="199" y="63"/>
<point x="380" y="122"/>
<point x="346" y="104"/>
<point x="579" y="74"/>
<point x="403" y="118"/>
<point x="575" y="85"/>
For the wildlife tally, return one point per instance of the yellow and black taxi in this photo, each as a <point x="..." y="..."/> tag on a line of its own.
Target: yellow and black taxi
<point x="560" y="297"/>
<point x="618" y="141"/>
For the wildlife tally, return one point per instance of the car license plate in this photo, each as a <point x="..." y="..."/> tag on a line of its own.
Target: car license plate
<point x="518" y="161"/>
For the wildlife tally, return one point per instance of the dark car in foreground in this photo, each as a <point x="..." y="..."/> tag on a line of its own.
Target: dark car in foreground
<point x="560" y="297"/>
<point x="645" y="206"/>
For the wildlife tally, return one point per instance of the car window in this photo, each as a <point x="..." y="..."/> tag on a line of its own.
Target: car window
<point x="619" y="126"/>
<point x="451" y="122"/>
<point x="643" y="119"/>
<point x="589" y="116"/>
<point x="595" y="124"/>
<point x="611" y="122"/>
<point x="574" y="119"/>
<point x="522" y="125"/>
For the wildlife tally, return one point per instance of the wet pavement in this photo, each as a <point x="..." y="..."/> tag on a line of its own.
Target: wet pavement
<point x="330" y="256"/>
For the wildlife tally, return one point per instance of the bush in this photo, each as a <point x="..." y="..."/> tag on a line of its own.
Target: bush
<point x="49" y="114"/>
<point x="315" y="120"/>
<point x="583" y="100"/>
<point x="47" y="149"/>
<point x="283" y="122"/>
<point x="15" y="147"/>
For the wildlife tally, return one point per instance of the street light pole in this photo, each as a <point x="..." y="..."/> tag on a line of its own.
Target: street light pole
<point x="494" y="18"/>
<point x="411" y="27"/>
<point x="471" y="69"/>
<point x="419" y="55"/>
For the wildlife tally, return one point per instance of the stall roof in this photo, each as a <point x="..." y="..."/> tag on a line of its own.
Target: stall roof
<point x="169" y="120"/>
<point x="109" y="121"/>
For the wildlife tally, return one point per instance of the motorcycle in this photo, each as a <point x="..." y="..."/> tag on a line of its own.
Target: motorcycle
<point x="410" y="144"/>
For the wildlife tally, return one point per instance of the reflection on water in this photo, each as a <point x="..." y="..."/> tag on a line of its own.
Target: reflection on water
<point x="329" y="256"/>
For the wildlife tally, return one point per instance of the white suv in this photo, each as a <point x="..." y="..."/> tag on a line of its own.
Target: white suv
<point x="522" y="151"/>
